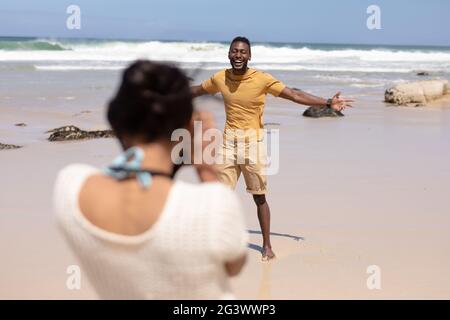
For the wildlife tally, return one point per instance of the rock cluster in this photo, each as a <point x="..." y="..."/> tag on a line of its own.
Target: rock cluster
<point x="74" y="133"/>
<point x="8" y="146"/>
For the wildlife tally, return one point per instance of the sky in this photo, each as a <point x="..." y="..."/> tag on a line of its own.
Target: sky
<point x="403" y="22"/>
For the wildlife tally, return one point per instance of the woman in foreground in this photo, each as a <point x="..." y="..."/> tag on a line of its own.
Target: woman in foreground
<point x="138" y="233"/>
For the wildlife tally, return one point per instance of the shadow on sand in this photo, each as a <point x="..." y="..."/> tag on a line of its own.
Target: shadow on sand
<point x="265" y="285"/>
<point x="259" y="248"/>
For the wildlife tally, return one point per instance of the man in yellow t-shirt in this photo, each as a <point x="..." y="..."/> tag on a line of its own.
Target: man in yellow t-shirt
<point x="244" y="93"/>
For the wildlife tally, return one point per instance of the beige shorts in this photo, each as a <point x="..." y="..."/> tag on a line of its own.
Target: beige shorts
<point x="248" y="157"/>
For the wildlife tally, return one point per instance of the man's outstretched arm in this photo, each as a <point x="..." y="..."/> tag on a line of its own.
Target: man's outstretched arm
<point x="304" y="98"/>
<point x="197" y="91"/>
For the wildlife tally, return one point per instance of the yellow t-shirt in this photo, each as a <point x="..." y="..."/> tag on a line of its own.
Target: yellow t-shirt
<point x="244" y="96"/>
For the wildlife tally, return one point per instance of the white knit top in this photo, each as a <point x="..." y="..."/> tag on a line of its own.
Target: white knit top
<point x="181" y="256"/>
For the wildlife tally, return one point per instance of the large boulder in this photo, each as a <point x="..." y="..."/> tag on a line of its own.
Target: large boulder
<point x="417" y="93"/>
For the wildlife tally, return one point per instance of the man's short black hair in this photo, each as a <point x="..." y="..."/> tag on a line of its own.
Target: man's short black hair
<point x="241" y="39"/>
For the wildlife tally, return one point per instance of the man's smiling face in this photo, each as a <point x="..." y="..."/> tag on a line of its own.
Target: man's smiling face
<point x="239" y="56"/>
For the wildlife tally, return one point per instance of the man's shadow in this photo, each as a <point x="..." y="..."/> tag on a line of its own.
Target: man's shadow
<point x="264" y="291"/>
<point x="259" y="248"/>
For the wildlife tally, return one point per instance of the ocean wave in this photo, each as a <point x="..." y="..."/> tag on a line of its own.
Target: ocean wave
<point x="367" y="85"/>
<point x="335" y="68"/>
<point x="213" y="55"/>
<point x="76" y="67"/>
<point x="31" y="45"/>
<point x="265" y="67"/>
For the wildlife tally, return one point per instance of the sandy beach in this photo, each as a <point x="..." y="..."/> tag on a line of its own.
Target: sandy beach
<point x="359" y="204"/>
<point x="367" y="189"/>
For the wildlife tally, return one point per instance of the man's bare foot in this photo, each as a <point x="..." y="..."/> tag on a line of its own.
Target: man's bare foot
<point x="267" y="254"/>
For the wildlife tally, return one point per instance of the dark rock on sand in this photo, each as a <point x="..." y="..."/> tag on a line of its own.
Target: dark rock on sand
<point x="20" y="124"/>
<point x="8" y="146"/>
<point x="74" y="133"/>
<point x="321" y="111"/>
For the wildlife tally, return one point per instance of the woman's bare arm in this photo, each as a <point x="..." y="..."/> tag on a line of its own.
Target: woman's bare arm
<point x="234" y="267"/>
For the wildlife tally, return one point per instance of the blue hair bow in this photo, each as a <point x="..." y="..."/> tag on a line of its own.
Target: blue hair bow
<point x="129" y="163"/>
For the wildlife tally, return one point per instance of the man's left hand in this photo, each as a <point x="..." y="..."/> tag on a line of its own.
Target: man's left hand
<point x="339" y="103"/>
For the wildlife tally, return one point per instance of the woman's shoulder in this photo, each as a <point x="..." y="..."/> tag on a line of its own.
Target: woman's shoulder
<point x="70" y="179"/>
<point x="73" y="175"/>
<point x="75" y="172"/>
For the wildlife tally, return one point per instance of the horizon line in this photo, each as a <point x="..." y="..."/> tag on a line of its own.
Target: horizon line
<point x="225" y="41"/>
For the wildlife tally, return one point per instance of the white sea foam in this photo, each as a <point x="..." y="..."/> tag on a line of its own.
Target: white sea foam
<point x="76" y="67"/>
<point x="113" y="55"/>
<point x="366" y="85"/>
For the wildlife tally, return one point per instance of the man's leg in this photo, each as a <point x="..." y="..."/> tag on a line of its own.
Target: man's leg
<point x="257" y="186"/>
<point x="264" y="222"/>
<point x="256" y="181"/>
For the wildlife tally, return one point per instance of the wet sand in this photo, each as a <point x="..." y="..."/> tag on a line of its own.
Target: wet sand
<point x="367" y="189"/>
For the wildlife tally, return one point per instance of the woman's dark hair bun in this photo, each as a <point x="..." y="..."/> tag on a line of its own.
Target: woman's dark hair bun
<point x="153" y="100"/>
